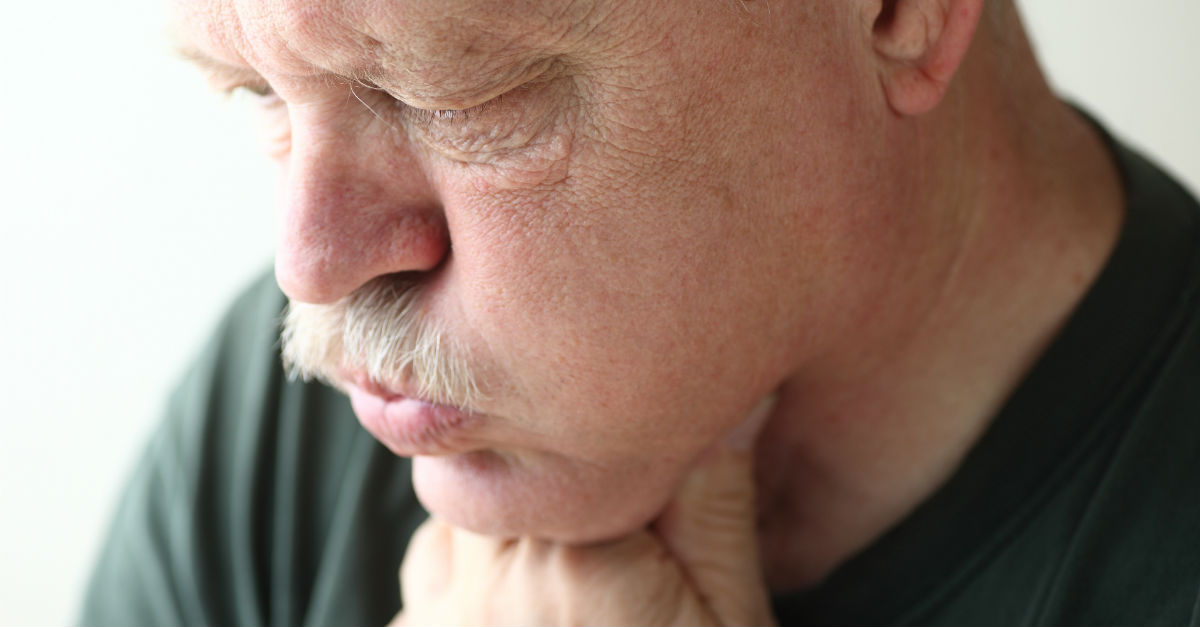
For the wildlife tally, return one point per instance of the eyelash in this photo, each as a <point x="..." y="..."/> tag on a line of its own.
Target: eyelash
<point x="262" y="91"/>
<point x="427" y="117"/>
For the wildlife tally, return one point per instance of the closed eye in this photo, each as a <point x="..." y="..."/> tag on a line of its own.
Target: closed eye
<point x="452" y="117"/>
<point x="226" y="78"/>
<point x="262" y="90"/>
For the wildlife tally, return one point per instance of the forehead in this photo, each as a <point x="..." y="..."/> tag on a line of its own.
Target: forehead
<point x="417" y="43"/>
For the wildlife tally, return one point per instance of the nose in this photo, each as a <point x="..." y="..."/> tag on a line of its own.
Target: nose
<point x="355" y="207"/>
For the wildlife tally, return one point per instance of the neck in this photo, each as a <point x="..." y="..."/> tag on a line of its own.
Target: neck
<point x="1020" y="207"/>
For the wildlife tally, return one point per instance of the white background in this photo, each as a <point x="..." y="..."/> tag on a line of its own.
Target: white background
<point x="134" y="204"/>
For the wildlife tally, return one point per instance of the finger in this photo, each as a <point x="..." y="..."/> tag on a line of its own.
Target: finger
<point x="743" y="436"/>
<point x="425" y="570"/>
<point x="710" y="526"/>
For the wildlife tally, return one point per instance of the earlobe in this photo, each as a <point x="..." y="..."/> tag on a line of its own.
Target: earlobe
<point x="919" y="45"/>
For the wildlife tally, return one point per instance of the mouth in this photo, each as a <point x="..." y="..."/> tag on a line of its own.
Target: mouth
<point x="408" y="425"/>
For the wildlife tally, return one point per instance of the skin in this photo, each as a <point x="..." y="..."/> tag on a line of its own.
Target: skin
<point x="675" y="210"/>
<point x="698" y="565"/>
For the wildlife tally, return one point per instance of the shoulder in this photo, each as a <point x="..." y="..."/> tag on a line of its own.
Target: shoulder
<point x="258" y="500"/>
<point x="316" y="508"/>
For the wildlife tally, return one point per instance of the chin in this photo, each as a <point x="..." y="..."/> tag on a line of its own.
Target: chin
<point x="503" y="496"/>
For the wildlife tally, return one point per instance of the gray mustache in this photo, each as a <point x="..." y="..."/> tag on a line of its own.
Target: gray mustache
<point x="380" y="329"/>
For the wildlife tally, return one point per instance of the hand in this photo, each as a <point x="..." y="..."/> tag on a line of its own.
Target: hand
<point x="698" y="564"/>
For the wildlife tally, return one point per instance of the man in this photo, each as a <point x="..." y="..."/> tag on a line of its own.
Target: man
<point x="577" y="258"/>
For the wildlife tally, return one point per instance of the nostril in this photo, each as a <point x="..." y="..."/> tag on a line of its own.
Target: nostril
<point x="325" y="257"/>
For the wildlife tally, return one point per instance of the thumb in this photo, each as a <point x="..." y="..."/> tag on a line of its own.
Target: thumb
<point x="711" y="526"/>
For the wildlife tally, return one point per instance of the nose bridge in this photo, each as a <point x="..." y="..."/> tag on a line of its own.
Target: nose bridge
<point x="356" y="205"/>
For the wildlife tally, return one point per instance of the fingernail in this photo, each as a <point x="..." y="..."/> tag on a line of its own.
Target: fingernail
<point x="743" y="436"/>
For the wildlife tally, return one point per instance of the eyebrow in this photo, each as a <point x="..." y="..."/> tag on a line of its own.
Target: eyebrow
<point x="222" y="76"/>
<point x="226" y="77"/>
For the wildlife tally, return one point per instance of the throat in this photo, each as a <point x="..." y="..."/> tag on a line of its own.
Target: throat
<point x="828" y="495"/>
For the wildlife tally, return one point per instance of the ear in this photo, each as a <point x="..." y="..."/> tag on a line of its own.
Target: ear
<point x="919" y="45"/>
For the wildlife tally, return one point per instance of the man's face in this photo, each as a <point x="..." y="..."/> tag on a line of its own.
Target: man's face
<point x="638" y="227"/>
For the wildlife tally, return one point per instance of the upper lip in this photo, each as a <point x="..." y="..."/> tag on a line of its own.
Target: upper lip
<point x="387" y="392"/>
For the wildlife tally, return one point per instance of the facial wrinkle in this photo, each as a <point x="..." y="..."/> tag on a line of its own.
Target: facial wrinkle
<point x="452" y="57"/>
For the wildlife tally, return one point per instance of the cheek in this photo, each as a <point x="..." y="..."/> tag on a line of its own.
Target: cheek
<point x="615" y="313"/>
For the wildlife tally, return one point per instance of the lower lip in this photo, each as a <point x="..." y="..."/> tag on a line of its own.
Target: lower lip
<point x="410" y="427"/>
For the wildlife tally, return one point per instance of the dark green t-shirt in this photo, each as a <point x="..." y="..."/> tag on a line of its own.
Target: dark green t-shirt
<point x="261" y="501"/>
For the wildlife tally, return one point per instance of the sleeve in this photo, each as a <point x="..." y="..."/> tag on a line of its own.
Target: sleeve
<point x="181" y="549"/>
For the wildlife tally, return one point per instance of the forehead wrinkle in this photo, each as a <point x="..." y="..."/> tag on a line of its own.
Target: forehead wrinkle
<point x="209" y="30"/>
<point x="275" y="39"/>
<point x="292" y="36"/>
<point x="256" y="38"/>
